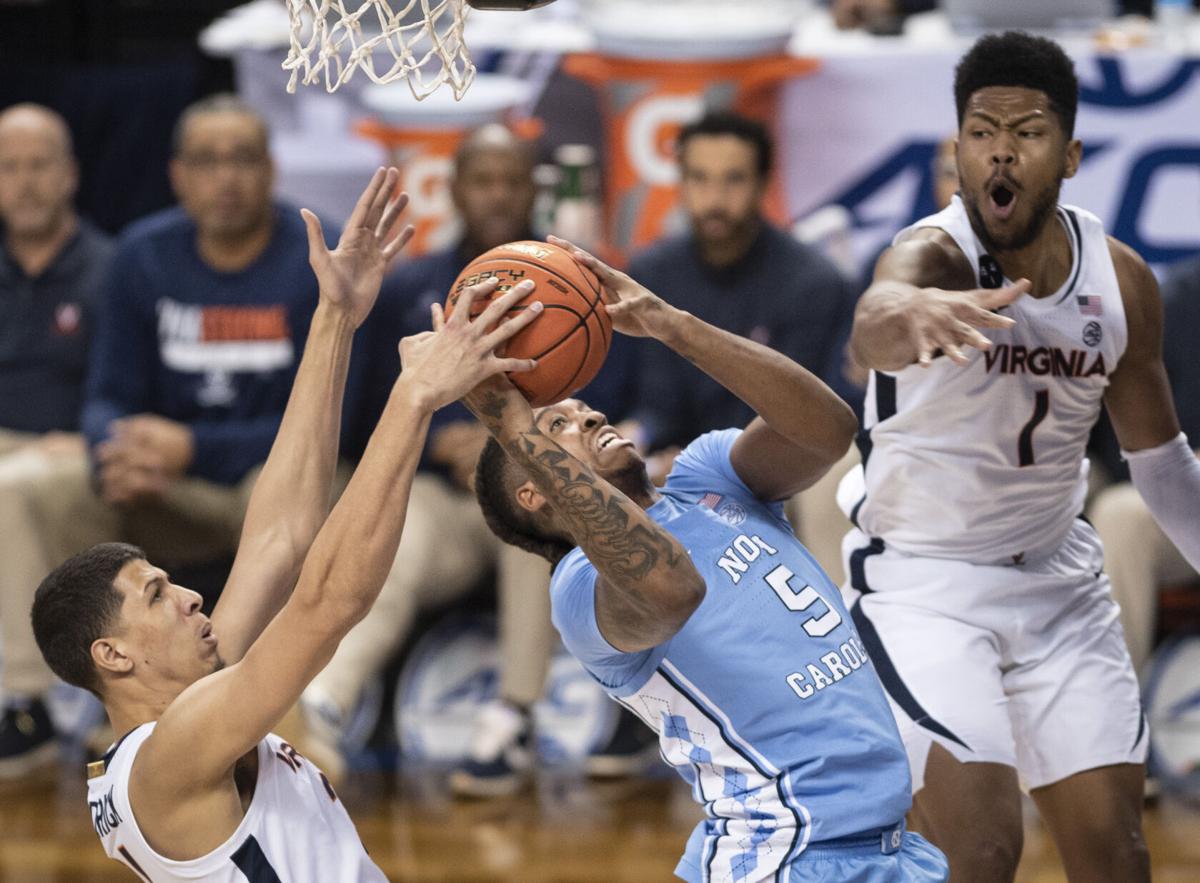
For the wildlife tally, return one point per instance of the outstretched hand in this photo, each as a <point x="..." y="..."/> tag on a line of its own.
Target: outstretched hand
<point x="443" y="365"/>
<point x="949" y="320"/>
<point x="351" y="274"/>
<point x="634" y="309"/>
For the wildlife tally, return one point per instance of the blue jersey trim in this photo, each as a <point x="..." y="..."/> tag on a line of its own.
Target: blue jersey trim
<point x="885" y="408"/>
<point x="708" y="713"/>
<point x="253" y="862"/>
<point x="710" y="853"/>
<point x="892" y="682"/>
<point x="1076" y="236"/>
<point x="745" y="751"/>
<point x="885" y="397"/>
<point x="858" y="558"/>
<point x="792" y="851"/>
<point x="884" y="667"/>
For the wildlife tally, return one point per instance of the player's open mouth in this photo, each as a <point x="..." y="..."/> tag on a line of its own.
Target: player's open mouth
<point x="608" y="438"/>
<point x="1003" y="199"/>
<point x="207" y="635"/>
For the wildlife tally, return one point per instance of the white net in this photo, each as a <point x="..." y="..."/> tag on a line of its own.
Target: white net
<point x="420" y="41"/>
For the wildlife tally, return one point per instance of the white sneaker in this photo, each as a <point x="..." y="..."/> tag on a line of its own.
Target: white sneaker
<point x="499" y="761"/>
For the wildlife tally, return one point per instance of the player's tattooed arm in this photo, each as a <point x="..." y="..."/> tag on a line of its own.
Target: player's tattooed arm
<point x="647" y="585"/>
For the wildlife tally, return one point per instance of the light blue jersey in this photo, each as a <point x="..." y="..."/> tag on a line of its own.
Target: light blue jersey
<point x="765" y="701"/>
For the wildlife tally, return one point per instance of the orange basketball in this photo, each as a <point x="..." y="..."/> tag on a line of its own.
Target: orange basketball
<point x="569" y="340"/>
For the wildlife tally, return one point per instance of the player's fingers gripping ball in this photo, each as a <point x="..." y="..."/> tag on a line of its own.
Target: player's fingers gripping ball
<point x="571" y="337"/>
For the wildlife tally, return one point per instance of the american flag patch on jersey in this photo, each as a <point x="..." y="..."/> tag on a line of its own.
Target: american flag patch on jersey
<point x="712" y="501"/>
<point x="1090" y="304"/>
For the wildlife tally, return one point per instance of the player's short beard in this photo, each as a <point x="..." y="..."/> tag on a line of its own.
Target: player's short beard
<point x="632" y="479"/>
<point x="1043" y="210"/>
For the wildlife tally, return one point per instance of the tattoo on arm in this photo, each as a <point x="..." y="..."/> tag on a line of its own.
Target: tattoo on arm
<point x="645" y="568"/>
<point x="597" y="514"/>
<point x="611" y="528"/>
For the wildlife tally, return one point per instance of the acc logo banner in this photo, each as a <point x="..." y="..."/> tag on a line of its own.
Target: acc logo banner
<point x="862" y="133"/>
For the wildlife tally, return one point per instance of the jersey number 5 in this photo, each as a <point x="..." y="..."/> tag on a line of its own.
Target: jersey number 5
<point x="1041" y="407"/>
<point x="779" y="579"/>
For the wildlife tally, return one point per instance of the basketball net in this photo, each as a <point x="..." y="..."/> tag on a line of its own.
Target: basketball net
<point x="421" y="41"/>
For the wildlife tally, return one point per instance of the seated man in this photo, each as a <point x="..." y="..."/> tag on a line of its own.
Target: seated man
<point x="197" y="787"/>
<point x="51" y="266"/>
<point x="735" y="269"/>
<point x="1139" y="558"/>
<point x="198" y="331"/>
<point x="698" y="609"/>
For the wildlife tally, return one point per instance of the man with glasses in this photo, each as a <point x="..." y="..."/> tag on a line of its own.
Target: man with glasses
<point x="198" y="333"/>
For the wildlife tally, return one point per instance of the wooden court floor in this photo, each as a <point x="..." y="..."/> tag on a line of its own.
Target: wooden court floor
<point x="564" y="830"/>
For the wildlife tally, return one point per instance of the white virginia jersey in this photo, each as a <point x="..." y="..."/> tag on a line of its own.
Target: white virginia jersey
<point x="985" y="462"/>
<point x="296" y="830"/>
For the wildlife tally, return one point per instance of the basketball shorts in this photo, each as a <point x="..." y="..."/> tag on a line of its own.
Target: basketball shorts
<point x="886" y="856"/>
<point x="1023" y="665"/>
<point x="916" y="861"/>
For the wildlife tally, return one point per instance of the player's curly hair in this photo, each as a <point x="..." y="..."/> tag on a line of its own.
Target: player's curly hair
<point x="1015" y="58"/>
<point x="76" y="604"/>
<point x="496" y="481"/>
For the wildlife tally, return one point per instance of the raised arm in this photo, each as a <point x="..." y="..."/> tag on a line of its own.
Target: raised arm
<point x="802" y="427"/>
<point x="647" y="586"/>
<point x="922" y="302"/>
<point x="291" y="497"/>
<point x="220" y="717"/>
<point x="1162" y="465"/>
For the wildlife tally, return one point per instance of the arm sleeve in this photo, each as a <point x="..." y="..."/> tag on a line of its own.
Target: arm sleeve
<point x="1168" y="478"/>
<point x="573" y="610"/>
<point x="123" y="356"/>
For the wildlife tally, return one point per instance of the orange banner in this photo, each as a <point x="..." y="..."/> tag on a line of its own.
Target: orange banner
<point x="425" y="158"/>
<point x="645" y="103"/>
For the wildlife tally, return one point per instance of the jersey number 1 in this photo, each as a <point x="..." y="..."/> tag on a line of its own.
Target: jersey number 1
<point x="1041" y="407"/>
<point x="779" y="579"/>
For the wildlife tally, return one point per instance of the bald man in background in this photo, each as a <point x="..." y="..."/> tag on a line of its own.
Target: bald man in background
<point x="52" y="264"/>
<point x="199" y="327"/>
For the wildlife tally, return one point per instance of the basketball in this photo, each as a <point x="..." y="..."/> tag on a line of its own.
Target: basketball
<point x="569" y="340"/>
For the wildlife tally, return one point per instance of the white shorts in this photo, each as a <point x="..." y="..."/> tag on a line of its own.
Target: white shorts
<point x="1023" y="665"/>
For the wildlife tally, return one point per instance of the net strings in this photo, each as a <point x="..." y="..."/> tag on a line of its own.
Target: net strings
<point x="331" y="39"/>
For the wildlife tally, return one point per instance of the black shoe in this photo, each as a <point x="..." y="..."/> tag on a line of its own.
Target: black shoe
<point x="26" y="738"/>
<point x="630" y="749"/>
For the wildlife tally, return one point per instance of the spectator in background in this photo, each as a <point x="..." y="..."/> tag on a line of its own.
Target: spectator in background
<point x="737" y="271"/>
<point x="1138" y="557"/>
<point x="945" y="172"/>
<point x="199" y="329"/>
<point x="877" y="16"/>
<point x="51" y="265"/>
<point x="886" y="17"/>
